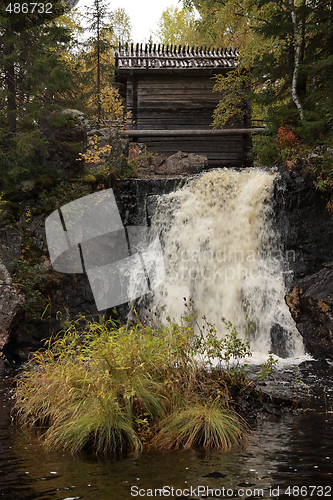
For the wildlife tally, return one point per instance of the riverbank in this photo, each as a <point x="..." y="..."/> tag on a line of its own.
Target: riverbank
<point x="286" y="450"/>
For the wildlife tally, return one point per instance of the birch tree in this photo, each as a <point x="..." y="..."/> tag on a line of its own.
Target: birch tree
<point x="297" y="59"/>
<point x="286" y="50"/>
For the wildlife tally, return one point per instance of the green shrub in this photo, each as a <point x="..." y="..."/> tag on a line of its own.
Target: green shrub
<point x="29" y="278"/>
<point x="131" y="169"/>
<point x="265" y="150"/>
<point x="34" y="284"/>
<point x="112" y="388"/>
<point x="268" y="368"/>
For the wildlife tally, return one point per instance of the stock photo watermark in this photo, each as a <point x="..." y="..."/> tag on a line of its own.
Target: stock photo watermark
<point x="208" y="492"/>
<point x="122" y="263"/>
<point x="227" y="254"/>
<point x="226" y="264"/>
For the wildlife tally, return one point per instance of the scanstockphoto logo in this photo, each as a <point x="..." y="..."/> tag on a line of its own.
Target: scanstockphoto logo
<point x="122" y="263"/>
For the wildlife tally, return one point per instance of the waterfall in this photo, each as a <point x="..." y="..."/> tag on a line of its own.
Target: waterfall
<point x="221" y="250"/>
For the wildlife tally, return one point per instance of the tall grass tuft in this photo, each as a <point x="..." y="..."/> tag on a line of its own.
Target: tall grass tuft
<point x="206" y="425"/>
<point x="112" y="389"/>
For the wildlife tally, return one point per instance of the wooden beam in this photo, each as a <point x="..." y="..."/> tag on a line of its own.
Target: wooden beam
<point x="191" y="133"/>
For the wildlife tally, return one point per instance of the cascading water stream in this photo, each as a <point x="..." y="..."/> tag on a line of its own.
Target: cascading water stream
<point x="220" y="250"/>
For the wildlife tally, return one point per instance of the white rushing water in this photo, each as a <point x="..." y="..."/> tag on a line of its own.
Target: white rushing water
<point x="221" y="251"/>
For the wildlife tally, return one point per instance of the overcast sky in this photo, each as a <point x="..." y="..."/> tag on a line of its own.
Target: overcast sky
<point x="144" y="14"/>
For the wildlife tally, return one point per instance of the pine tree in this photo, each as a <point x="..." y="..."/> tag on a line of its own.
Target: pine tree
<point x="98" y="56"/>
<point x="34" y="82"/>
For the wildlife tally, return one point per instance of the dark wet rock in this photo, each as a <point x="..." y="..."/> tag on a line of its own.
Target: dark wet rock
<point x="306" y="236"/>
<point x="242" y="402"/>
<point x="71" y="297"/>
<point x="12" y="306"/>
<point x="272" y="410"/>
<point x="217" y="475"/>
<point x="319" y="364"/>
<point x="21" y="344"/>
<point x="136" y="198"/>
<point x="280" y="390"/>
<point x="10" y="245"/>
<point x="304" y="225"/>
<point x="311" y="304"/>
<point x="279" y="339"/>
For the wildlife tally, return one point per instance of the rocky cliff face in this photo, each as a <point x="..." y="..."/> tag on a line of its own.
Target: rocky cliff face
<point x="306" y="235"/>
<point x="12" y="307"/>
<point x="311" y="304"/>
<point x="304" y="224"/>
<point x="136" y="198"/>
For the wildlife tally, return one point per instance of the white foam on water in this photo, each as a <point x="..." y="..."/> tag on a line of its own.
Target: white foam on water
<point x="221" y="250"/>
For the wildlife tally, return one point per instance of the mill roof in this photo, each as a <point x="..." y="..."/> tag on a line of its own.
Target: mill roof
<point x="153" y="56"/>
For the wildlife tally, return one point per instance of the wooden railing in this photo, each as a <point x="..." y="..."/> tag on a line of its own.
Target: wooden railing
<point x="192" y="133"/>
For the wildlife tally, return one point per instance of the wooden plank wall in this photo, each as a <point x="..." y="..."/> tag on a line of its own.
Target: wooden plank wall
<point x="220" y="151"/>
<point x="176" y="102"/>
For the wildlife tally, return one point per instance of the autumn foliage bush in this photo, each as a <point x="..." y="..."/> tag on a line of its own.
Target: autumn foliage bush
<point x="114" y="388"/>
<point x="286" y="138"/>
<point x="270" y="149"/>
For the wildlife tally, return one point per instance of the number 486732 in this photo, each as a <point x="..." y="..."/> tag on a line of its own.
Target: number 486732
<point x="308" y="491"/>
<point x="29" y="8"/>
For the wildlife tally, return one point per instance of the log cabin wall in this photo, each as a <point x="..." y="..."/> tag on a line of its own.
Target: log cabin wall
<point x="171" y="88"/>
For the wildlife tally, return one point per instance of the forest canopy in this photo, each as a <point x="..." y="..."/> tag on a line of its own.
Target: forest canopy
<point x="64" y="61"/>
<point x="58" y="61"/>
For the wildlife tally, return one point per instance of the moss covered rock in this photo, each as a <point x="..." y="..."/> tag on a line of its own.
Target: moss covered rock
<point x="89" y="179"/>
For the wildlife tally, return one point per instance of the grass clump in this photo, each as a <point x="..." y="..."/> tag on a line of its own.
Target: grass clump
<point x="207" y="425"/>
<point x="112" y="388"/>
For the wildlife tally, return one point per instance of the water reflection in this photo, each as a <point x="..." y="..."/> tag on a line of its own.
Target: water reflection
<point x="295" y="450"/>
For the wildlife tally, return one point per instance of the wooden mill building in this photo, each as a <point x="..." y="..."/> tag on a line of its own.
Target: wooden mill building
<point x="169" y="96"/>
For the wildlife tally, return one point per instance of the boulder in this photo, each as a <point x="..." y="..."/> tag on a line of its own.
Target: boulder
<point x="311" y="304"/>
<point x="79" y="116"/>
<point x="77" y="132"/>
<point x="152" y="163"/>
<point x="181" y="163"/>
<point x="12" y="306"/>
<point x="66" y="134"/>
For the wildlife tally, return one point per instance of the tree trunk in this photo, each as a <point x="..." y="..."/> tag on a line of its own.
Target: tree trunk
<point x="10" y="83"/>
<point x="99" y="110"/>
<point x="297" y="60"/>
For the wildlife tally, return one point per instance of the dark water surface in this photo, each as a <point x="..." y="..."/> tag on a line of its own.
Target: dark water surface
<point x="284" y="454"/>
